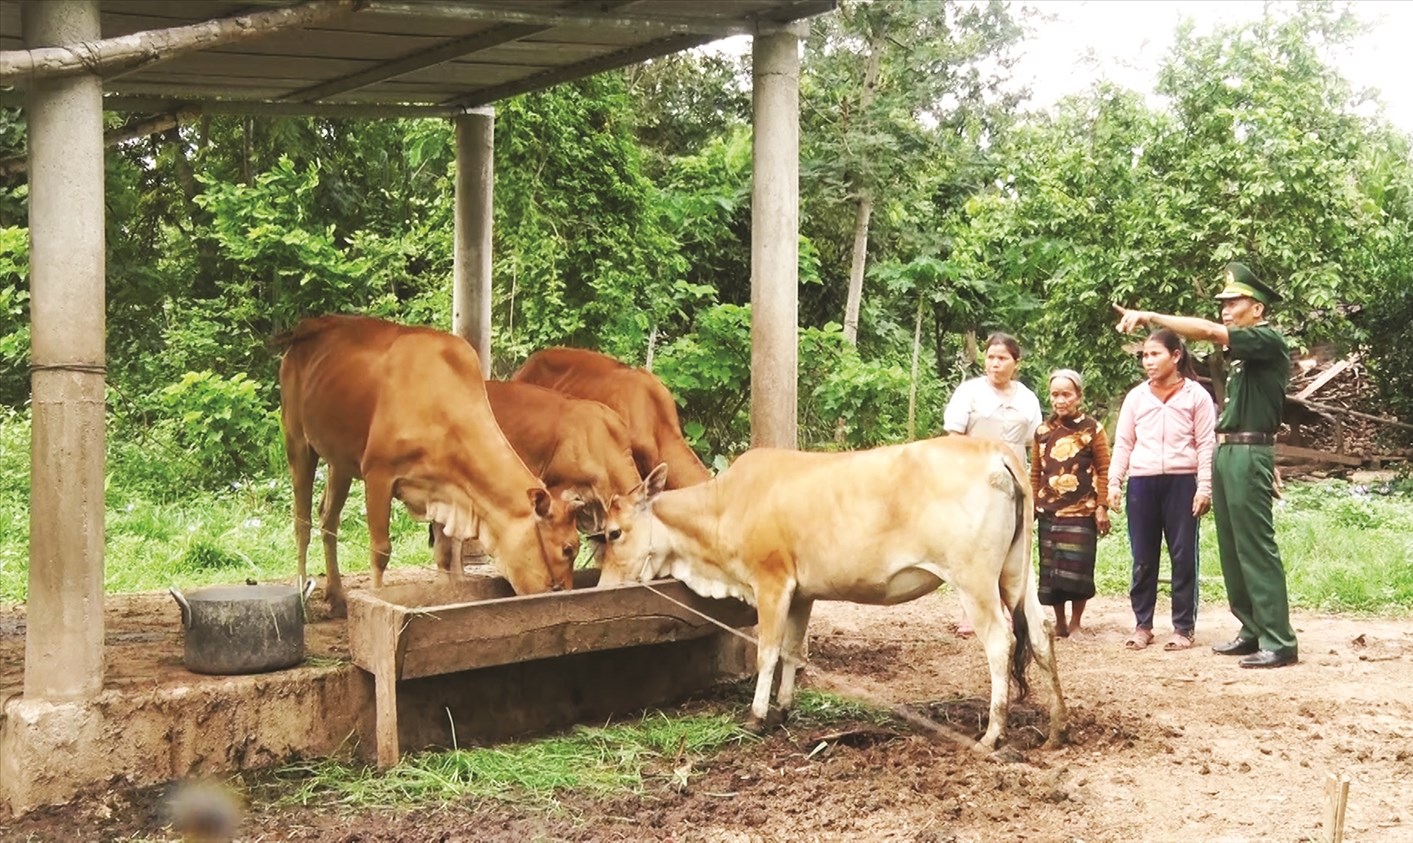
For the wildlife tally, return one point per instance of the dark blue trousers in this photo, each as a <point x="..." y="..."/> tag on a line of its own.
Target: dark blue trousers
<point x="1161" y="507"/>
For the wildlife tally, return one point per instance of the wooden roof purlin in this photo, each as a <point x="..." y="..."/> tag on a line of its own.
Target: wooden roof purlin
<point x="370" y="58"/>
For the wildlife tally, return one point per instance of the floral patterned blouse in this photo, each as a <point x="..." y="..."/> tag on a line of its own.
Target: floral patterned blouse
<point x="1069" y="467"/>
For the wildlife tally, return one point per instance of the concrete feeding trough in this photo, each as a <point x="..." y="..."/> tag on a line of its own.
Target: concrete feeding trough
<point x="470" y="661"/>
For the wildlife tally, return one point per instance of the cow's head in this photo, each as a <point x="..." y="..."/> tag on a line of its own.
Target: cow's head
<point x="536" y="554"/>
<point x="624" y="547"/>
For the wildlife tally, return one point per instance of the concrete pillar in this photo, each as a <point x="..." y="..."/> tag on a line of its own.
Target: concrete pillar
<point x="775" y="232"/>
<point x="64" y="642"/>
<point x="475" y="190"/>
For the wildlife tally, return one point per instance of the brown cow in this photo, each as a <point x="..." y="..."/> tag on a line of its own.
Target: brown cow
<point x="404" y="409"/>
<point x="573" y="445"/>
<point x="635" y="394"/>
<point x="579" y="449"/>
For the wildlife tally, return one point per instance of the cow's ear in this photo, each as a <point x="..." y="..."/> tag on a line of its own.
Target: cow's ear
<point x="542" y="502"/>
<point x="655" y="482"/>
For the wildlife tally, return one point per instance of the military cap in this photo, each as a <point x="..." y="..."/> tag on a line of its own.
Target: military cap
<point x="1241" y="281"/>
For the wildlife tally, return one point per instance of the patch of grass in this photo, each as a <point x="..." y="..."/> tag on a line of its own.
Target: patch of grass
<point x="1345" y="548"/>
<point x="615" y="759"/>
<point x="821" y="708"/>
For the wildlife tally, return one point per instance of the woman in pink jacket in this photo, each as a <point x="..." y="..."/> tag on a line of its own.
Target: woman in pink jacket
<point x="1163" y="445"/>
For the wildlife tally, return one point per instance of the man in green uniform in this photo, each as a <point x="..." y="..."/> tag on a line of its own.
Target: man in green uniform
<point x="1243" y="471"/>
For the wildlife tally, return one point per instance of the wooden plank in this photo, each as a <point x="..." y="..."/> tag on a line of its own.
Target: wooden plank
<point x="1336" y="799"/>
<point x="521" y="629"/>
<point x="1297" y="452"/>
<point x="1325" y="378"/>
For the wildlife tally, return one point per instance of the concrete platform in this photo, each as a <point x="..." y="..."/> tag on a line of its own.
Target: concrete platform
<point x="154" y="721"/>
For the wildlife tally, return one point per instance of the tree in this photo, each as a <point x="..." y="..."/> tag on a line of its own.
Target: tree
<point x="1262" y="157"/>
<point x="885" y="85"/>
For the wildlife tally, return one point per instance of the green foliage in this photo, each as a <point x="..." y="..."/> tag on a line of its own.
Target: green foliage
<point x="1344" y="549"/>
<point x="580" y="235"/>
<point x="1262" y="158"/>
<point x="221" y="426"/>
<point x="14" y="315"/>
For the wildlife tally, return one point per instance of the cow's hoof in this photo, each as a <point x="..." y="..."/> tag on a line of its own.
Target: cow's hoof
<point x="1008" y="755"/>
<point x="756" y="725"/>
<point x="338" y="609"/>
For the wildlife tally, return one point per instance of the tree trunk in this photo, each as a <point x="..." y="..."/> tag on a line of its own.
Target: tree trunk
<point x="912" y="384"/>
<point x="865" y="208"/>
<point x="856" y="267"/>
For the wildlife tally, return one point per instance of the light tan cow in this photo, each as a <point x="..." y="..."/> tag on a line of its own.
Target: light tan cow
<point x="634" y="394"/>
<point x="405" y="409"/>
<point x="782" y="529"/>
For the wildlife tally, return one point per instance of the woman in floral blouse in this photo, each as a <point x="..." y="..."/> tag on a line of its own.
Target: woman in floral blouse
<point x="1069" y="471"/>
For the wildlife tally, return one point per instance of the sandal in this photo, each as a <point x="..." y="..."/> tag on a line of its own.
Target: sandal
<point x="1178" y="642"/>
<point x="1140" y="639"/>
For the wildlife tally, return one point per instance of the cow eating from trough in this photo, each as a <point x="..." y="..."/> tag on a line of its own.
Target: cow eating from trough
<point x="634" y="394"/>
<point x="405" y="409"/>
<point x="579" y="449"/>
<point x="574" y="445"/>
<point x="782" y="529"/>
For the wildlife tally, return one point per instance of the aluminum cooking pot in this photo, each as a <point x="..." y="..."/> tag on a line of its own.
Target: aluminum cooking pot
<point x="243" y="628"/>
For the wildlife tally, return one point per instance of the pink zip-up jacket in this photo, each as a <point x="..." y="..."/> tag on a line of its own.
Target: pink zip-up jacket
<point x="1154" y="437"/>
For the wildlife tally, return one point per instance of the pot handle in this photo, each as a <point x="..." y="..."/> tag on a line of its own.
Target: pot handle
<point x="304" y="598"/>
<point x="185" y="606"/>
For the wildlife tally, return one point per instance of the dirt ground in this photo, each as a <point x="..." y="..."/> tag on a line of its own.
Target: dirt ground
<point x="1164" y="746"/>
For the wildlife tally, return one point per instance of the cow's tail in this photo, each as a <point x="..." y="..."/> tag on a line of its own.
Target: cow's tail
<point x="1021" y="550"/>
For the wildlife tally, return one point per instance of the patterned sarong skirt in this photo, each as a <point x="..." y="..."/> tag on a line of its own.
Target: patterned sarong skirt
<point x="1067" y="547"/>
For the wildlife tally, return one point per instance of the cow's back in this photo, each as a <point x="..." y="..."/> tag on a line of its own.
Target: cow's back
<point x="636" y="395"/>
<point x="929" y="500"/>
<point x="567" y="441"/>
<point x="331" y="382"/>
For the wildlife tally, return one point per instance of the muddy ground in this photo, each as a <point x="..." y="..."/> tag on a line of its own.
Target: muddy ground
<point x="1163" y="746"/>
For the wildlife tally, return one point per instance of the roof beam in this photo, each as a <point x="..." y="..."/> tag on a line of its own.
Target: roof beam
<point x="578" y="70"/>
<point x="417" y="61"/>
<point x="156" y="104"/>
<point x="142" y="49"/>
<point x="549" y="17"/>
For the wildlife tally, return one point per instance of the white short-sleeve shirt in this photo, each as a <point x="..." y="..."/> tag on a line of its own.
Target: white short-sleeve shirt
<point x="979" y="409"/>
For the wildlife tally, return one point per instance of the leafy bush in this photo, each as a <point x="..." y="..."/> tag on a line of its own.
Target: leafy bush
<point x="14" y="315"/>
<point x="221" y="426"/>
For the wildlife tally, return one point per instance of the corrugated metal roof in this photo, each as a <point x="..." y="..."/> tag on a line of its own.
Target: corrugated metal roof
<point x="408" y="56"/>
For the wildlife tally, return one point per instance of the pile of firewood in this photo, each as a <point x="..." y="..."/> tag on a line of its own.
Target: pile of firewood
<point x="1330" y="417"/>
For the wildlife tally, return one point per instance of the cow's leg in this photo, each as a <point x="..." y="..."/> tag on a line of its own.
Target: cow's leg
<point x="302" y="462"/>
<point x="1042" y="644"/>
<point x="445" y="551"/>
<point x="996" y="637"/>
<point x="773" y="598"/>
<point x="335" y="494"/>
<point x="795" y="627"/>
<point x="377" y="492"/>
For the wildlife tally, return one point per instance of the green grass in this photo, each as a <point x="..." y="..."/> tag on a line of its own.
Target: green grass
<point x="1346" y="548"/>
<point x="655" y="751"/>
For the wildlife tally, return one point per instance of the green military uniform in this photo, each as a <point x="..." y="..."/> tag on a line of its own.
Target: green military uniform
<point x="1243" y="475"/>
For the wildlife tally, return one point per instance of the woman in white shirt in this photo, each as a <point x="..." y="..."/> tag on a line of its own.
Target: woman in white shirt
<point x="995" y="406"/>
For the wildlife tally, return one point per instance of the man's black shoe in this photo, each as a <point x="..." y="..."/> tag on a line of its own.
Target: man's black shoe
<point x="1269" y="658"/>
<point x="1237" y="647"/>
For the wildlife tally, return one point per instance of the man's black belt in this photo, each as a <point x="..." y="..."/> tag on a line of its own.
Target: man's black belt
<point x="1246" y="438"/>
